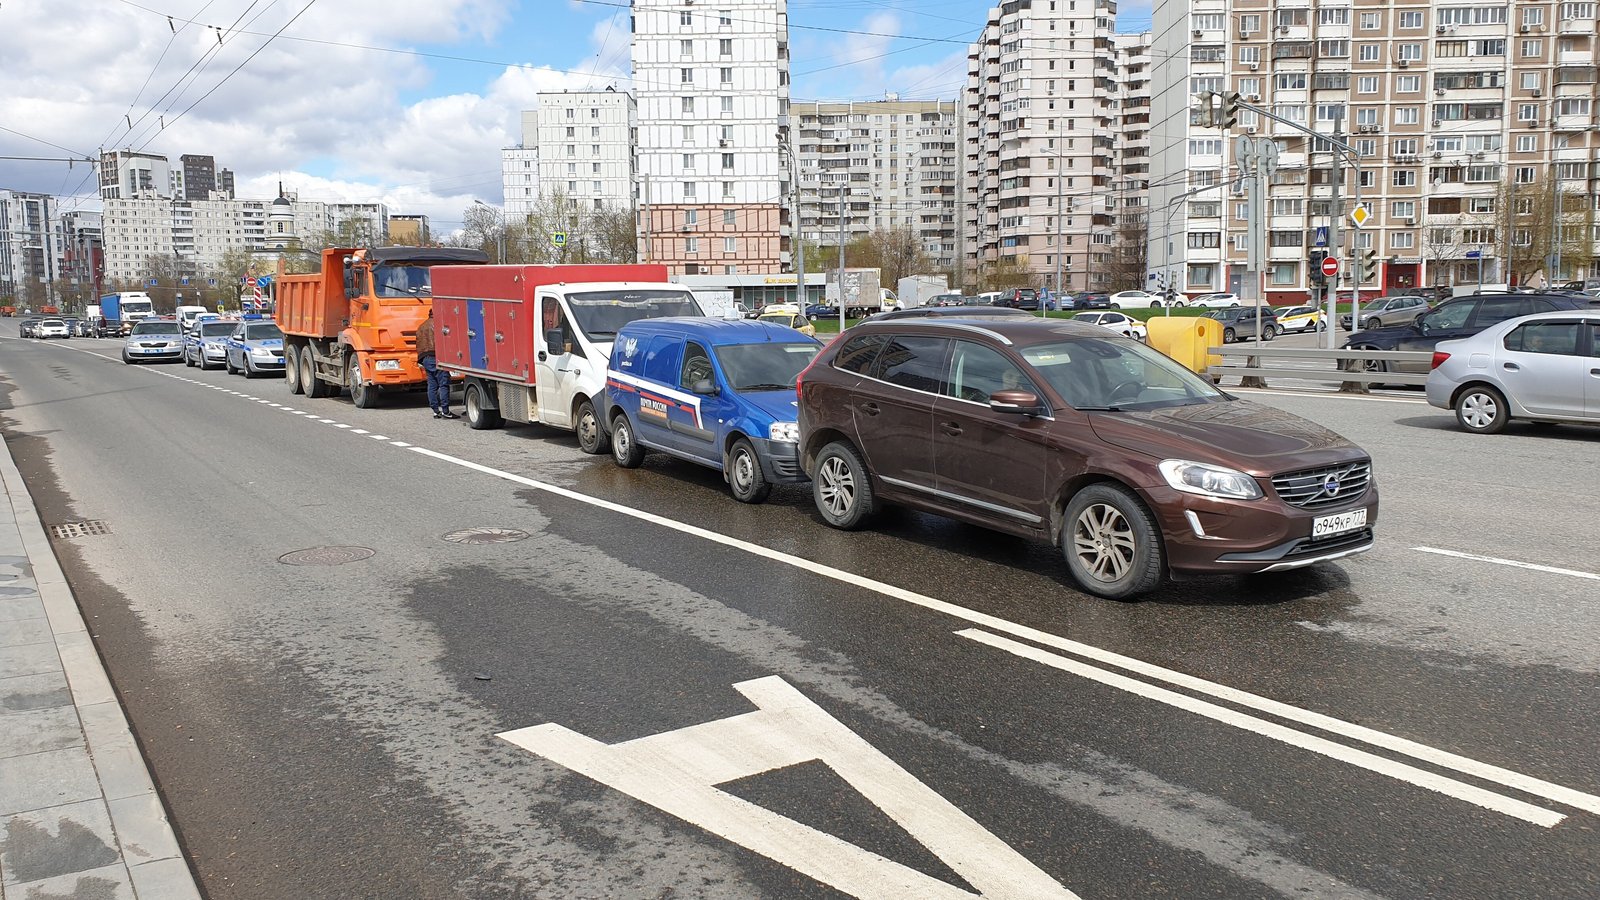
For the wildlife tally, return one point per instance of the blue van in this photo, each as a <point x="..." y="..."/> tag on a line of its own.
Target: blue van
<point x="719" y="392"/>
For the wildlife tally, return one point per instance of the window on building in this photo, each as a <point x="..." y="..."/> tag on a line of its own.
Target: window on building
<point x="727" y="190"/>
<point x="729" y="217"/>
<point x="727" y="104"/>
<point x="691" y="217"/>
<point x="571" y="112"/>
<point x="1571" y="11"/>
<point x="1410" y="52"/>
<point x="1250" y="23"/>
<point x="1285" y="273"/>
<point x="686" y="76"/>
<point x="1202" y="277"/>
<point x="1367" y="84"/>
<point x="1527" y="143"/>
<point x="1250" y="55"/>
<point x="725" y="47"/>
<point x="1403" y="209"/>
<point x="726" y="74"/>
<point x="730" y="245"/>
<point x="688" y="189"/>
<point x="727" y="160"/>
<point x="685" y="48"/>
<point x="1404" y="178"/>
<point x="1371" y="21"/>
<point x="1412" y="19"/>
<point x="1205" y="240"/>
<point x="688" y="162"/>
<point x="688" y="105"/>
<point x="724" y="18"/>
<point x="1407" y="115"/>
<point x="1527" y="112"/>
<point x="1532" y="47"/>
<point x="1408" y="84"/>
<point x="1333" y="49"/>
<point x="691" y="245"/>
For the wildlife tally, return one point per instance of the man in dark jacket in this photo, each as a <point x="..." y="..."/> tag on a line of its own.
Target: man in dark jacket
<point x="438" y="379"/>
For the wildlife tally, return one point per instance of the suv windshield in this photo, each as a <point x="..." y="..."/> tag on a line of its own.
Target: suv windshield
<point x="216" y="329"/>
<point x="156" y="328"/>
<point x="1115" y="374"/>
<point x="764" y="366"/>
<point x="602" y="313"/>
<point x="265" y="331"/>
<point x="401" y="281"/>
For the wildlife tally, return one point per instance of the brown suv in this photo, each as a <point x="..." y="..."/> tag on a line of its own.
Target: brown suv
<point x="1137" y="468"/>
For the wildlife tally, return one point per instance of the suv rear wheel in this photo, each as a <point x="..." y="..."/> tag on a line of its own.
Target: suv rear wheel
<point x="842" y="488"/>
<point x="1111" y="543"/>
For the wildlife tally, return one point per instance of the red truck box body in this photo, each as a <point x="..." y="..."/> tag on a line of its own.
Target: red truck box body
<point x="483" y="316"/>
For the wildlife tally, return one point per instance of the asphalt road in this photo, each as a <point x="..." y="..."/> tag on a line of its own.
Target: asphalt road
<point x="1404" y="724"/>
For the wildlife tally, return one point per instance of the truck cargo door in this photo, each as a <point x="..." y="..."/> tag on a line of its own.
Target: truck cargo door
<point x="557" y="365"/>
<point x="476" y="341"/>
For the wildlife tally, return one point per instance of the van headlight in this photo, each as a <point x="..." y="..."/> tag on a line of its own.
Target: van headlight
<point x="784" y="432"/>
<point x="1208" y="480"/>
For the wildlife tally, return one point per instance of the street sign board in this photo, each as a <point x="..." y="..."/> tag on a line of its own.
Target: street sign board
<point x="211" y="282"/>
<point x="250" y="281"/>
<point x="184" y="281"/>
<point x="1474" y="254"/>
<point x="1322" y="237"/>
<point x="151" y="283"/>
<point x="1359" y="216"/>
<point x="558" y="239"/>
<point x="1330" y="266"/>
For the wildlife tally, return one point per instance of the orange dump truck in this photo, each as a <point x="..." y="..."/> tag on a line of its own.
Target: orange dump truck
<point x="353" y="326"/>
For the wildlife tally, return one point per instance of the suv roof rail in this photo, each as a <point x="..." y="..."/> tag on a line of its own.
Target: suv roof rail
<point x="948" y="323"/>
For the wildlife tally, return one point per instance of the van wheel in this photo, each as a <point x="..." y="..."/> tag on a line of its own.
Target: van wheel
<point x="745" y="478"/>
<point x="364" y="396"/>
<point x="291" y="370"/>
<point x="591" y="439"/>
<point x="1482" y="410"/>
<point x="479" y="417"/>
<point x="842" y="489"/>
<point x="625" y="452"/>
<point x="1111" y="544"/>
<point x="315" y="387"/>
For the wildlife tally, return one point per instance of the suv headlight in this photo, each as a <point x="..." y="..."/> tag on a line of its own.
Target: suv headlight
<point x="1208" y="480"/>
<point x="784" y="432"/>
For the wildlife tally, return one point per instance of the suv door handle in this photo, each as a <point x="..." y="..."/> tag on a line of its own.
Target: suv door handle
<point x="870" y="409"/>
<point x="951" y="428"/>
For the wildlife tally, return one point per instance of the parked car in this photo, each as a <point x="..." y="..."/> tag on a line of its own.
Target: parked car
<point x="790" y="319"/>
<point x="1136" y="300"/>
<point x="206" y="343"/>
<point x="27" y="326"/>
<point x="1388" y="311"/>
<point x="153" y="339"/>
<point x="1134" y="466"/>
<point x="1215" y="301"/>
<point x="1019" y="298"/>
<point x="1454" y="320"/>
<point x="1089" y="300"/>
<point x="962" y="312"/>
<point x="254" y="348"/>
<point x="73" y="323"/>
<point x="1240" y="323"/>
<point x="1300" y="318"/>
<point x="51" y="328"/>
<point x="944" y="300"/>
<point x="717" y="393"/>
<point x="821" y="311"/>
<point x="1540" y="367"/>
<point x="1115" y="321"/>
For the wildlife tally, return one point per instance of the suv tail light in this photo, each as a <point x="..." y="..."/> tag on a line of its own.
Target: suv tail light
<point x="1439" y="356"/>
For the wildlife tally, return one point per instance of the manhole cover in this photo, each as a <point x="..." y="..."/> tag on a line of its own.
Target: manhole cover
<point x="325" y="556"/>
<point x="79" y="529"/>
<point x="486" y="536"/>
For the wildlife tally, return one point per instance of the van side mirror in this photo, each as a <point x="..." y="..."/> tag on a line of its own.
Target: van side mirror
<point x="1022" y="403"/>
<point x="555" y="341"/>
<point x="705" y="387"/>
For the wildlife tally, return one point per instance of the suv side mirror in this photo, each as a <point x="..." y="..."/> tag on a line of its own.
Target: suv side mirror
<point x="1024" y="403"/>
<point x="705" y="387"/>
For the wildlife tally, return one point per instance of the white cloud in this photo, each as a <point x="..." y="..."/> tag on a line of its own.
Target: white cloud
<point x="331" y="121"/>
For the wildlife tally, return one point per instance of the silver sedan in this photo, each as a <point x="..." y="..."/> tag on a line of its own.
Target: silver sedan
<point x="1543" y="368"/>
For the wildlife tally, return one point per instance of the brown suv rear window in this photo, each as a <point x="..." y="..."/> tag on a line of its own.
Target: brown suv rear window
<point x="858" y="353"/>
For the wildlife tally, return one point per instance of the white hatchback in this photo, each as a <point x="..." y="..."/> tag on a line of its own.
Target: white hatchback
<point x="51" y="328"/>
<point x="1137" y="300"/>
<point x="1215" y="301"/>
<point x="1116" y="322"/>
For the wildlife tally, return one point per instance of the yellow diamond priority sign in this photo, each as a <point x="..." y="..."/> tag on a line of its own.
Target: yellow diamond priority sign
<point x="1359" y="215"/>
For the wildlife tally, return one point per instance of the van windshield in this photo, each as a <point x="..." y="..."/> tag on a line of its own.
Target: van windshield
<point x="601" y="314"/>
<point x="401" y="281"/>
<point x="765" y="366"/>
<point x="1117" y="374"/>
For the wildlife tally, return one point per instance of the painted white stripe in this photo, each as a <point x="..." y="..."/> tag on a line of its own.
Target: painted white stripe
<point x="1326" y="395"/>
<point x="340" y="425"/>
<point x="400" y="443"/>
<point x="1535" y="567"/>
<point x="377" y="437"/>
<point x="299" y="412"/>
<point x="359" y="431"/>
<point x="1431" y="755"/>
<point x="1359" y="758"/>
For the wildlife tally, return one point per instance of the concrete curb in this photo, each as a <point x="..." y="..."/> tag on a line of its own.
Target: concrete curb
<point x="149" y="859"/>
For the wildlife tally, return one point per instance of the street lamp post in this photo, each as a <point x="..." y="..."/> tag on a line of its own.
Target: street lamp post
<point x="500" y="235"/>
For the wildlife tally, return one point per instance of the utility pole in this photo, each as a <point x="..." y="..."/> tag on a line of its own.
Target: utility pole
<point x="644" y="213"/>
<point x="800" y="233"/>
<point x="1335" y="237"/>
<point x="1060" y="217"/>
<point x="1553" y="260"/>
<point x="842" y="188"/>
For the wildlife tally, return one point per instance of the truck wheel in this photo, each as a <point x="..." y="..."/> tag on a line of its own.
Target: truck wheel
<point x="479" y="417"/>
<point x="745" y="478"/>
<point x="591" y="438"/>
<point x="315" y="387"/>
<point x="364" y="396"/>
<point x="624" y="451"/>
<point x="291" y="369"/>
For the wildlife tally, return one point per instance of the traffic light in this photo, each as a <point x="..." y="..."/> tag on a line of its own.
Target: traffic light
<point x="1227" y="114"/>
<point x="1202" y="113"/>
<point x="1366" y="265"/>
<point x="1318" y="254"/>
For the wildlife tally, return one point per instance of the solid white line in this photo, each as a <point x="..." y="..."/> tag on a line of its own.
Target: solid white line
<point x="1361" y="759"/>
<point x="1325" y="395"/>
<point x="1509" y="562"/>
<point x="1432" y="755"/>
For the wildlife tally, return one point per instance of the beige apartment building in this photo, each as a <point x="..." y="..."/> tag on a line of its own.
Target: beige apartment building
<point x="1473" y="122"/>
<point x="894" y="162"/>
<point x="1041" y="145"/>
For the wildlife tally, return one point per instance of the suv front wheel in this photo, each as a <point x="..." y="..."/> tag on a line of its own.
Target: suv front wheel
<point x="841" y="487"/>
<point x="1111" y="543"/>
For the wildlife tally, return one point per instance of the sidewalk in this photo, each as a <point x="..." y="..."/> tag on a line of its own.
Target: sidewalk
<point x="79" y="816"/>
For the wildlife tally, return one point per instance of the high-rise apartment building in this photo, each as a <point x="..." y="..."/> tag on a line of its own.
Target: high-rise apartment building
<point x="585" y="141"/>
<point x="410" y="230"/>
<point x="31" y="246"/>
<point x="1472" y="123"/>
<point x="897" y="163"/>
<point x="126" y="174"/>
<point x="199" y="176"/>
<point x="1040" y="146"/>
<point x="712" y="85"/>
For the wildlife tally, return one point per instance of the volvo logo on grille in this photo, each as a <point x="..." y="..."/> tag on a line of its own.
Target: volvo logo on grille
<point x="1331" y="486"/>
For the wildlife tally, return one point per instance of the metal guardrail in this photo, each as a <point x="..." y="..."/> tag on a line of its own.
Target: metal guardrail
<point x="1355" y="370"/>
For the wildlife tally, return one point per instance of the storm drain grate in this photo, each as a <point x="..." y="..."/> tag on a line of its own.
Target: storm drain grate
<point x="326" y="556"/>
<point x="486" y="535"/>
<point x="79" y="529"/>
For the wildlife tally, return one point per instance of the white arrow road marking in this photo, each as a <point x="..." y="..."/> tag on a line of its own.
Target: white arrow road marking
<point x="677" y="772"/>
<point x="1433" y="781"/>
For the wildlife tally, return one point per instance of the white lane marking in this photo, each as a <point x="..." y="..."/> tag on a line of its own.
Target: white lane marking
<point x="377" y="437"/>
<point x="340" y="425"/>
<point x="359" y="431"/>
<point x="326" y="421"/>
<point x="1554" y="570"/>
<point x="1443" y="758"/>
<point x="1325" y="395"/>
<point x="678" y="772"/>
<point x="399" y="443"/>
<point x="1359" y="758"/>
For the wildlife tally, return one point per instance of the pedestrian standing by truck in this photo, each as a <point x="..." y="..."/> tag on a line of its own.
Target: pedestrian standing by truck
<point x="438" y="379"/>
